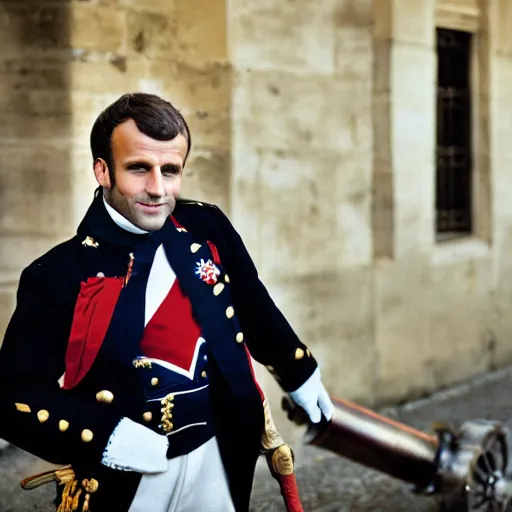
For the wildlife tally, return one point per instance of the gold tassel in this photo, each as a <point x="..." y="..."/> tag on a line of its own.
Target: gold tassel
<point x="64" y="497"/>
<point x="76" y="500"/>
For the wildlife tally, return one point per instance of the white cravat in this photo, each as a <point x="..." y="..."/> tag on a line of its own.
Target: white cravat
<point x="121" y="221"/>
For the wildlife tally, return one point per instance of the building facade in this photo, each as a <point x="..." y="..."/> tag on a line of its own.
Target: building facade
<point x="360" y="147"/>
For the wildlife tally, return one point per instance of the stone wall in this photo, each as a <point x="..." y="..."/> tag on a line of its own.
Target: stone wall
<point x="301" y="173"/>
<point x="313" y="128"/>
<point x="333" y="188"/>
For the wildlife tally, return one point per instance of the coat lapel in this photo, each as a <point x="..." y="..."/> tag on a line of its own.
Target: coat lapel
<point x="211" y="306"/>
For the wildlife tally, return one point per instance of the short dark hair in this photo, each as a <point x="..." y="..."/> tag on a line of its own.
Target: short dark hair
<point x="154" y="116"/>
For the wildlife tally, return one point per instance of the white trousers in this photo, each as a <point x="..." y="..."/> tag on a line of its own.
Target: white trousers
<point x="194" y="482"/>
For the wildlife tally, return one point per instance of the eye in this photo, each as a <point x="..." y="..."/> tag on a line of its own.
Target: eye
<point x="138" y="168"/>
<point x="171" y="170"/>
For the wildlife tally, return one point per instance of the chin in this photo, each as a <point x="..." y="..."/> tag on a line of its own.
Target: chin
<point x="153" y="225"/>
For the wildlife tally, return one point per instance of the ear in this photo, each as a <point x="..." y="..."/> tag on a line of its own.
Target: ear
<point x="101" y="173"/>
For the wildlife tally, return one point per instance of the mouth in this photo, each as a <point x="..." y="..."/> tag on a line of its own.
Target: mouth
<point x="151" y="207"/>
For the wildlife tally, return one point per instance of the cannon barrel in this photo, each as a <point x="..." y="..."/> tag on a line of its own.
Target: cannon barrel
<point x="471" y="460"/>
<point x="378" y="442"/>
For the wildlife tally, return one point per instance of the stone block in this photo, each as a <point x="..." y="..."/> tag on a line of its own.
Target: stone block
<point x="382" y="133"/>
<point x="421" y="316"/>
<point x="460" y="330"/>
<point x="413" y="22"/>
<point x="35" y="197"/>
<point x="502" y="188"/>
<point x="206" y="178"/>
<point x="354" y="14"/>
<point x="97" y="29"/>
<point x="29" y="74"/>
<point x="413" y="135"/>
<point x="100" y="77"/>
<point x="354" y="54"/>
<point x="332" y="314"/>
<point x="159" y="6"/>
<point x="245" y="195"/>
<point x="152" y="34"/>
<point x="298" y="214"/>
<point x="354" y="173"/>
<point x="202" y="39"/>
<point x="382" y="53"/>
<point x="36" y="102"/>
<point x="285" y="35"/>
<point x="281" y="111"/>
<point x="354" y="231"/>
<point x="402" y="294"/>
<point x="205" y="89"/>
<point x="502" y="35"/>
<point x="413" y="75"/>
<point x="33" y="29"/>
<point x="501" y="127"/>
<point x="414" y="210"/>
<point x="502" y="77"/>
<point x="34" y="127"/>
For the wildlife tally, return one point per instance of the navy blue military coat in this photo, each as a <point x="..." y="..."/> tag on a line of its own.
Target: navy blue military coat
<point x="33" y="406"/>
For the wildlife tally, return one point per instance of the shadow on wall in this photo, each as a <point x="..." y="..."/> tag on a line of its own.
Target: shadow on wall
<point x="35" y="130"/>
<point x="35" y="184"/>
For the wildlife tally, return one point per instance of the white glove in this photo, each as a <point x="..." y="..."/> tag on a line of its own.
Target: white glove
<point x="134" y="447"/>
<point x="313" y="398"/>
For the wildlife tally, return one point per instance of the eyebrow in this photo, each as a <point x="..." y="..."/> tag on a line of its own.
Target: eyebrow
<point x="137" y="164"/>
<point x="171" y="167"/>
<point x="145" y="165"/>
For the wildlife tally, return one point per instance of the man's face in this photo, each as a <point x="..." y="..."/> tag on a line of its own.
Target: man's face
<point x="147" y="175"/>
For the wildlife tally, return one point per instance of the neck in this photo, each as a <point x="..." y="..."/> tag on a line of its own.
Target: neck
<point x="121" y="221"/>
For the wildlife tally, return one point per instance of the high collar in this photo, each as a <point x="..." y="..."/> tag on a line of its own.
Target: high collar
<point x="99" y="225"/>
<point x="121" y="221"/>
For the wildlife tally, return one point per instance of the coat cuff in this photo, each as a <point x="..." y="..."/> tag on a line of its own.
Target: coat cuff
<point x="295" y="370"/>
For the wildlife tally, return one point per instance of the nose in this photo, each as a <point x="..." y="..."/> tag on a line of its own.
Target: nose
<point x="155" y="183"/>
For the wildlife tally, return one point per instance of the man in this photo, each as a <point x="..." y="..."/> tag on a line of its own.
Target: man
<point x="127" y="356"/>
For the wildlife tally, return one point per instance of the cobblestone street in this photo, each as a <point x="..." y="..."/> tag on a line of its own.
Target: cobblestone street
<point x="327" y="482"/>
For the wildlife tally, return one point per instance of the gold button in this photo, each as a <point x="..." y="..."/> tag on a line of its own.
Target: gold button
<point x="154" y="381"/>
<point x="90" y="486"/>
<point x="147" y="417"/>
<point x="63" y="425"/>
<point x="22" y="407"/>
<point x="226" y="278"/>
<point x="217" y="289"/>
<point x="105" y="396"/>
<point x="230" y="312"/>
<point x="43" y="415"/>
<point x="87" y="435"/>
<point x="204" y="375"/>
<point x="195" y="247"/>
<point x="299" y="354"/>
<point x="240" y="337"/>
